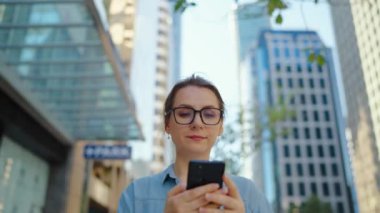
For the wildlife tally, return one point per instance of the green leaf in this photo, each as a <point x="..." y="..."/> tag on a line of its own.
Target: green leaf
<point x="279" y="19"/>
<point x="311" y="57"/>
<point x="321" y="60"/>
<point x="179" y="4"/>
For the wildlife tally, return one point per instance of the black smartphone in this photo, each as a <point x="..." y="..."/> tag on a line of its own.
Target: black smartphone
<point x="204" y="172"/>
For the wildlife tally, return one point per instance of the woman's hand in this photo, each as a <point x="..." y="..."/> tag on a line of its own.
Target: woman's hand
<point x="231" y="201"/>
<point x="181" y="200"/>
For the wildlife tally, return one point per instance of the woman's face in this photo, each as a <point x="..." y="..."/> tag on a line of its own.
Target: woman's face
<point x="196" y="139"/>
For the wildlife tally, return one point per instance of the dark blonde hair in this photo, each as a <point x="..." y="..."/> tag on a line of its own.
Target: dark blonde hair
<point x="193" y="80"/>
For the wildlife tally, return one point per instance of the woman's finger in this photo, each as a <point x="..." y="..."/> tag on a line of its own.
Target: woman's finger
<point x="232" y="188"/>
<point x="192" y="194"/>
<point x="177" y="190"/>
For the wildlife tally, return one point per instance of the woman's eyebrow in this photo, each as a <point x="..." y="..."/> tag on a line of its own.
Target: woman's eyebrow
<point x="190" y="106"/>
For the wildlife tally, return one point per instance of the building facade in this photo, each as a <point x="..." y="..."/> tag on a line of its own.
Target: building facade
<point x="307" y="153"/>
<point x="61" y="81"/>
<point x="356" y="23"/>
<point x="249" y="20"/>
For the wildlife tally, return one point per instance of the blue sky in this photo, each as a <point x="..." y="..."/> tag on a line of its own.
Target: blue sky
<point x="208" y="47"/>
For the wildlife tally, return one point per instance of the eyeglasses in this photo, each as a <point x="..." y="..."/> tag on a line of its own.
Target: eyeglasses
<point x="186" y="115"/>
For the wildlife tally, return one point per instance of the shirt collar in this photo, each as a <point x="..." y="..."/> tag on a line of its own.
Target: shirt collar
<point x="169" y="175"/>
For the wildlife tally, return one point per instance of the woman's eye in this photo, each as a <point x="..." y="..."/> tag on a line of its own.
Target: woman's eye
<point x="184" y="114"/>
<point x="209" y="113"/>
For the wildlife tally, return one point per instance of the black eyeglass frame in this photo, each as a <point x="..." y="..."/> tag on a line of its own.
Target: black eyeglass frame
<point x="195" y="113"/>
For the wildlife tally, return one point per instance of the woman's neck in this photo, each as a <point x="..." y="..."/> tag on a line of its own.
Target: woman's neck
<point x="181" y="166"/>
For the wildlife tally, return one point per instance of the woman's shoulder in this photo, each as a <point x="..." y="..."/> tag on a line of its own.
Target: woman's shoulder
<point x="244" y="184"/>
<point x="251" y="195"/>
<point x="146" y="181"/>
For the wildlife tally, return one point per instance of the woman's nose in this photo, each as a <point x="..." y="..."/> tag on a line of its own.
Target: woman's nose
<point x="197" y="120"/>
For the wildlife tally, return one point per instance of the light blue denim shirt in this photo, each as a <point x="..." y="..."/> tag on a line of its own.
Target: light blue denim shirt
<point x="148" y="194"/>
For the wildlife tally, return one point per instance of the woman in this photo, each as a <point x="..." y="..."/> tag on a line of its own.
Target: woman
<point x="194" y="111"/>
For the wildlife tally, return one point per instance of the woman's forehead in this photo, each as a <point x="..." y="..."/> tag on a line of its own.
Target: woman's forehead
<point x="194" y="96"/>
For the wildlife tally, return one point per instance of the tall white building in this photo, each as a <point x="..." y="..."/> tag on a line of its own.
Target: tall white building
<point x="310" y="158"/>
<point x="249" y="20"/>
<point x="155" y="63"/>
<point x="358" y="42"/>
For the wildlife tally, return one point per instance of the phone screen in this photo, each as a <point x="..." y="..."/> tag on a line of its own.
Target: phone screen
<point x="204" y="172"/>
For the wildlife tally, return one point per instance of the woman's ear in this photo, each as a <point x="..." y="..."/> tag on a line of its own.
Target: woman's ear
<point x="221" y="130"/>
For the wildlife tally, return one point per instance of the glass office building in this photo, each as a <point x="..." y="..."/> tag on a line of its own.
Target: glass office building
<point x="61" y="80"/>
<point x="306" y="154"/>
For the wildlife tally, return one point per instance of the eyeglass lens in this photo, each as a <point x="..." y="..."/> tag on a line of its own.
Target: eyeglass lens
<point x="186" y="115"/>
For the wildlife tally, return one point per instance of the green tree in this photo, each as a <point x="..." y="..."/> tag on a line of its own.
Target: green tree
<point x="311" y="205"/>
<point x="233" y="150"/>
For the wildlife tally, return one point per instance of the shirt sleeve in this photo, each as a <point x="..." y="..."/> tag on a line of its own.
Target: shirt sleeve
<point x="126" y="202"/>
<point x="260" y="201"/>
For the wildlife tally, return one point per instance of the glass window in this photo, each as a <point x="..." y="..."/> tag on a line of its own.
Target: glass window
<point x="320" y="68"/>
<point x="292" y="100"/>
<point x="313" y="188"/>
<point x="304" y="115"/>
<point x="303" y="99"/>
<point x="325" y="188"/>
<point x="323" y="169"/>
<point x="290" y="83"/>
<point x="278" y="67"/>
<point x="295" y="133"/>
<point x="279" y="82"/>
<point x="290" y="189"/>
<point x="298" y="150"/>
<point x="316" y="115"/>
<point x="324" y="99"/>
<point x="313" y="99"/>
<point x="338" y="191"/>
<point x="276" y="52"/>
<point x="287" y="53"/>
<point x="311" y="169"/>
<point x="300" y="82"/>
<point x="297" y="52"/>
<point x="334" y="168"/>
<point x="340" y="207"/>
<point x="288" y="68"/>
<point x="309" y="151"/>
<point x="311" y="83"/>
<point x="318" y="134"/>
<point x="299" y="170"/>
<point x="309" y="68"/>
<point x="327" y="115"/>
<point x="286" y="151"/>
<point x="320" y="151"/>
<point x="332" y="151"/>
<point x="288" y="169"/>
<point x="27" y="180"/>
<point x="322" y="83"/>
<point x="329" y="133"/>
<point x="285" y="133"/>
<point x="307" y="132"/>
<point x="299" y="68"/>
<point x="302" y="189"/>
<point x="294" y="115"/>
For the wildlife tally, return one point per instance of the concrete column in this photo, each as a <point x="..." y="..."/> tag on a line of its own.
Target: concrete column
<point x="56" y="196"/>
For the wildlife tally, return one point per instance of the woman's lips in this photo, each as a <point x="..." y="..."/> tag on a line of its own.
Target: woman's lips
<point x="196" y="137"/>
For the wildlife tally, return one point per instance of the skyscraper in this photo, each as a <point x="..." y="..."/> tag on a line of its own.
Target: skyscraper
<point x="358" y="43"/>
<point x="155" y="65"/>
<point x="61" y="81"/>
<point x="307" y="155"/>
<point x="249" y="20"/>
